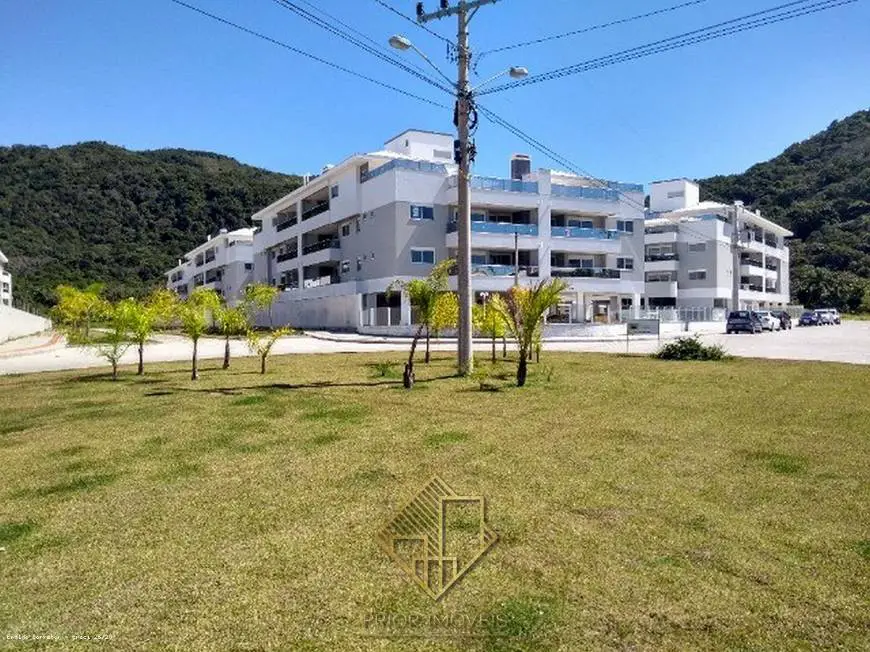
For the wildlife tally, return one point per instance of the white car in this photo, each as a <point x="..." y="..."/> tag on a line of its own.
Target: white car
<point x="768" y="321"/>
<point x="826" y="317"/>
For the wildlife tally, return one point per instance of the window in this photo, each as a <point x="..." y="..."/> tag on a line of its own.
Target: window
<point x="357" y="225"/>
<point x="422" y="212"/>
<point x="345" y="230"/>
<point x="625" y="263"/>
<point x="478" y="259"/>
<point x="675" y="195"/>
<point x="626" y="226"/>
<point x="345" y="266"/>
<point x="661" y="277"/>
<point x="698" y="246"/>
<point x="442" y="153"/>
<point x="363" y="172"/>
<point x="697" y="274"/>
<point x="423" y="256"/>
<point x="358" y="263"/>
<point x="333" y="192"/>
<point x="249" y="267"/>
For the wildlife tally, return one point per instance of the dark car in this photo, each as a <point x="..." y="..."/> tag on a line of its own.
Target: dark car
<point x="808" y="319"/>
<point x="745" y="321"/>
<point x="784" y="318"/>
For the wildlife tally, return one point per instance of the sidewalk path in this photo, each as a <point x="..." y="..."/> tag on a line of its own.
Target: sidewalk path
<point x="849" y="342"/>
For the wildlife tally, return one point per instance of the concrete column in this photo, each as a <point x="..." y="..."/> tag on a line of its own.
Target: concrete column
<point x="635" y="306"/>
<point x="406" y="310"/>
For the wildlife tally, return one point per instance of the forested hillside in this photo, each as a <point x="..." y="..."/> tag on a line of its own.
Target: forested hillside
<point x="820" y="189"/>
<point x="96" y="212"/>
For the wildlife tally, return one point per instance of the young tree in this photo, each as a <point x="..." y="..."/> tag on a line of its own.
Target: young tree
<point x="423" y="295"/>
<point x="232" y="322"/>
<point x="445" y="314"/>
<point x="490" y="323"/>
<point x="77" y="310"/>
<point x="262" y="344"/>
<point x="116" y="339"/>
<point x="145" y="316"/>
<point x="195" y="314"/>
<point x="523" y="310"/>
<point x="259" y="297"/>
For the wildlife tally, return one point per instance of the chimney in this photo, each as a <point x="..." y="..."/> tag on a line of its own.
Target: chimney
<point x="521" y="165"/>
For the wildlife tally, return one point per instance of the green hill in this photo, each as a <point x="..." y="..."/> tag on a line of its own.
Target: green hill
<point x="820" y="189"/>
<point x="96" y="212"/>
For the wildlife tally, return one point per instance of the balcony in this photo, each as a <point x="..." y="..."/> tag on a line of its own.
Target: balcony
<point x="504" y="185"/>
<point x="585" y="272"/>
<point x="322" y="207"/>
<point x="656" y="258"/>
<point x="578" y="232"/>
<point x="286" y="224"/>
<point x="320" y="246"/>
<point x="504" y="228"/>
<point x="209" y="257"/>
<point x="288" y="255"/>
<point x="661" y="289"/>
<point x="403" y="164"/>
<point x="581" y="192"/>
<point x="771" y="267"/>
<point x="503" y="270"/>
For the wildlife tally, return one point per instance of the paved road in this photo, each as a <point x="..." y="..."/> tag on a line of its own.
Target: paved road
<point x="849" y="342"/>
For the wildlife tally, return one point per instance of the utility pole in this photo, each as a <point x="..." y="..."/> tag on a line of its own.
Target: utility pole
<point x="735" y="255"/>
<point x="464" y="10"/>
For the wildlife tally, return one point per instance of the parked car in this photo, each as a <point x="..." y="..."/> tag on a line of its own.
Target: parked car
<point x="745" y="321"/>
<point x="825" y="317"/>
<point x="784" y="318"/>
<point x="831" y="315"/>
<point x="808" y="319"/>
<point x="768" y="321"/>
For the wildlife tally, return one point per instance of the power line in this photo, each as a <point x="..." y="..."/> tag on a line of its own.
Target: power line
<point x="414" y="22"/>
<point x="312" y="18"/>
<point x="711" y="32"/>
<point x="308" y="55"/>
<point x="592" y="28"/>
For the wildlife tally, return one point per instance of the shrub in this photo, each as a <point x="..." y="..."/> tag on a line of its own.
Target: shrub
<point x="690" y="348"/>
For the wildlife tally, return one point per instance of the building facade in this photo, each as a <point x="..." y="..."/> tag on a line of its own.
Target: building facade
<point x="688" y="261"/>
<point x="5" y="282"/>
<point x="224" y="263"/>
<point x="337" y="244"/>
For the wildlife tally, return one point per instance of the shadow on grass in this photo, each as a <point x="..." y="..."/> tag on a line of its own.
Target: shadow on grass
<point x="76" y="485"/>
<point x="236" y="391"/>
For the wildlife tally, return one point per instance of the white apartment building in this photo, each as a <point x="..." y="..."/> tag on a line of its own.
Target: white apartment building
<point x="224" y="263"/>
<point x="5" y="282"/>
<point x="688" y="257"/>
<point x="335" y="245"/>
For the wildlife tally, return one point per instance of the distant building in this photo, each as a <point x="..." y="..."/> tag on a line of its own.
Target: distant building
<point x="335" y="245"/>
<point x="224" y="262"/>
<point x="688" y="261"/>
<point x="5" y="282"/>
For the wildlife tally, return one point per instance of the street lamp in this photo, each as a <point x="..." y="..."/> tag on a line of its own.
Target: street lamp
<point x="464" y="108"/>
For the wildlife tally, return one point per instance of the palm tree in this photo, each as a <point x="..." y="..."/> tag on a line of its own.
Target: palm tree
<point x="232" y="322"/>
<point x="425" y="294"/>
<point x="262" y="344"/>
<point x="490" y="323"/>
<point x="195" y="314"/>
<point x="145" y="317"/>
<point x="523" y="309"/>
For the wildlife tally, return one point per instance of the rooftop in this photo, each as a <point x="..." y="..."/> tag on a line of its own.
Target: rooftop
<point x="418" y="131"/>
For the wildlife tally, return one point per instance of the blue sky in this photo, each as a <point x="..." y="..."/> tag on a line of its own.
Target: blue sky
<point x="147" y="74"/>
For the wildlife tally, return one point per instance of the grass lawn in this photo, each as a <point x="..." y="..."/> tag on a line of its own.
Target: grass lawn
<point x="640" y="504"/>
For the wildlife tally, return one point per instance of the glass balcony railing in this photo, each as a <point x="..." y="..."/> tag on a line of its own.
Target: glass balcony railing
<point x="403" y="164"/>
<point x="286" y="224"/>
<point x="322" y="207"/>
<point x="320" y="246"/>
<point x="653" y="230"/>
<point x="579" y="232"/>
<point x="498" y="227"/>
<point x="287" y="255"/>
<point x="504" y="185"/>
<point x="585" y="272"/>
<point x="582" y="192"/>
<point x="656" y="258"/>
<point x="503" y="270"/>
